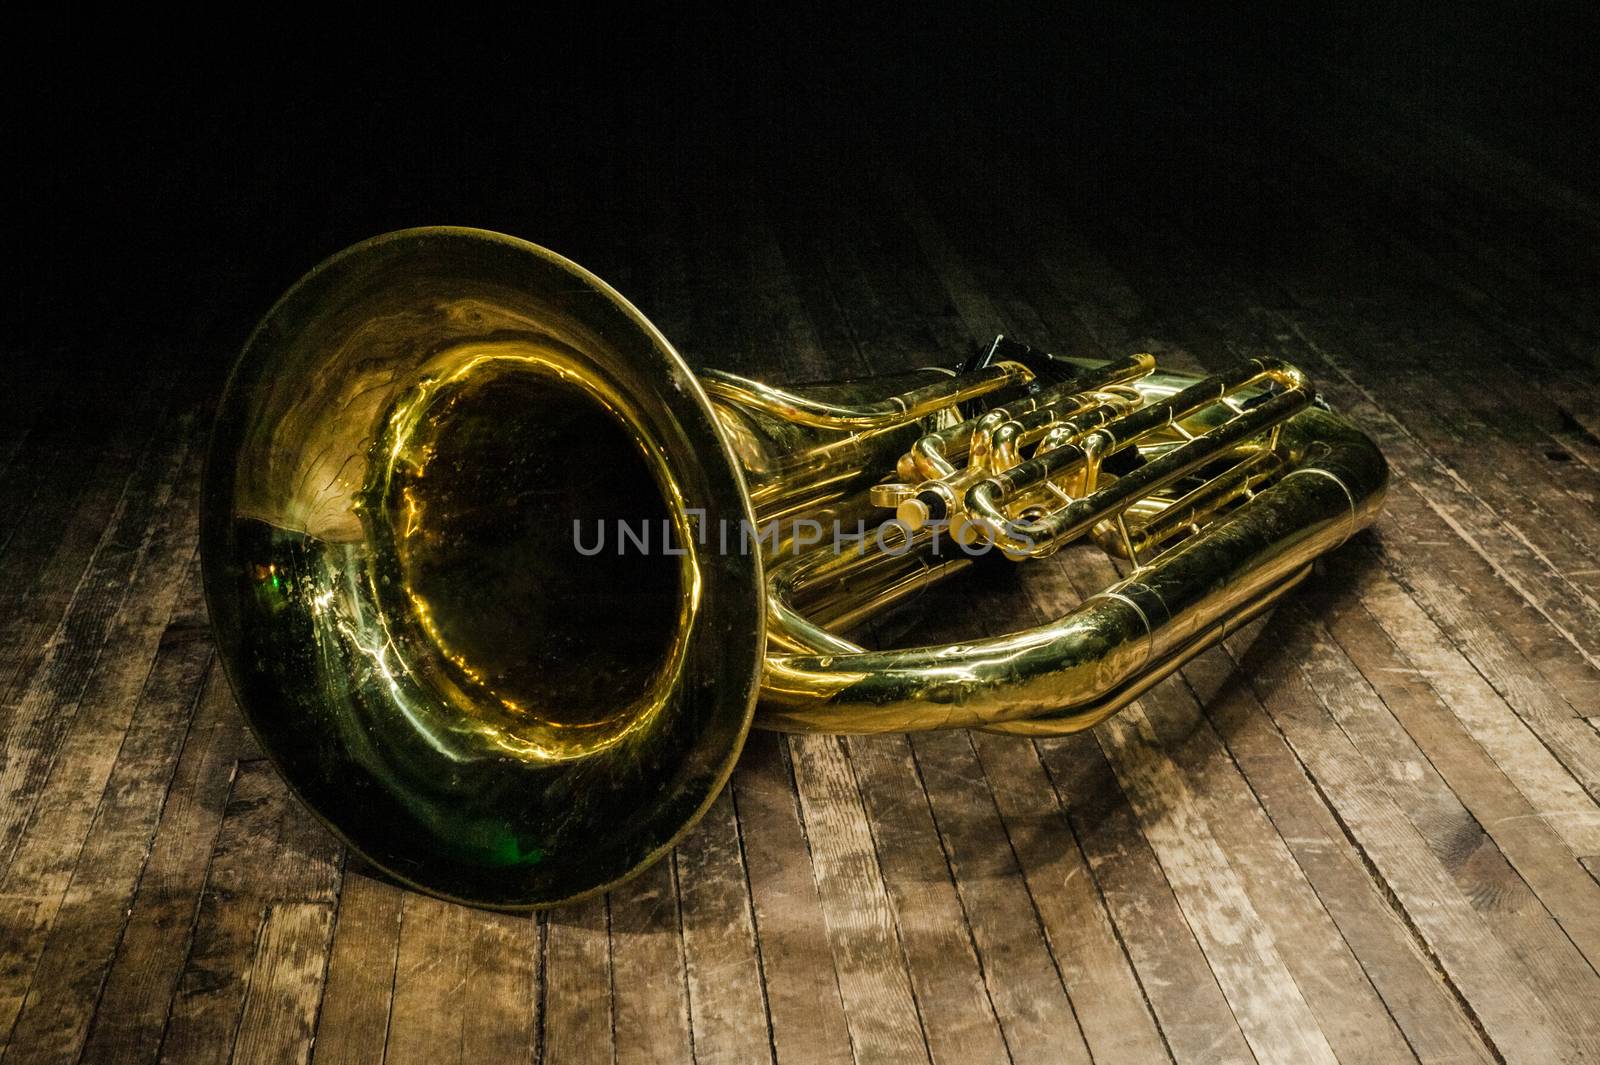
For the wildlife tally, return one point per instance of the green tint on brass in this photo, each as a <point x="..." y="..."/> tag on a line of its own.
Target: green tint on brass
<point x="423" y="440"/>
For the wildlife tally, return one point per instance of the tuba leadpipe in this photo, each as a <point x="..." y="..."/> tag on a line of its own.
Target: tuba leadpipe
<point x="501" y="584"/>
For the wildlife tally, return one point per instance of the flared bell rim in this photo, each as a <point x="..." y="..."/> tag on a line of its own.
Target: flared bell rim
<point x="732" y="599"/>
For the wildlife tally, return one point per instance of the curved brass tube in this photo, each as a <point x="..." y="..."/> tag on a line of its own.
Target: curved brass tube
<point x="1066" y="674"/>
<point x="875" y="414"/>
<point x="928" y="457"/>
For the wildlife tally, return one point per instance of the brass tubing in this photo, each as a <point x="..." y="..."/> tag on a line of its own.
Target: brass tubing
<point x="1199" y="504"/>
<point x="931" y="457"/>
<point x="1165" y="413"/>
<point x="1334" y="486"/>
<point x="822" y="588"/>
<point x="946" y="496"/>
<point x="905" y="407"/>
<point x="1085" y="717"/>
<point x="984" y="499"/>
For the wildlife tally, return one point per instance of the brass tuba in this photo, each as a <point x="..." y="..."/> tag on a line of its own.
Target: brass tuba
<point x="500" y="583"/>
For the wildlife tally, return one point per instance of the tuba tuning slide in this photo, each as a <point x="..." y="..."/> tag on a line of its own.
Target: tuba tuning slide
<point x="501" y="584"/>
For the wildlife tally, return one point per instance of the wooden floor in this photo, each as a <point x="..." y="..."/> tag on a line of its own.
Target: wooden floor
<point x="1365" y="831"/>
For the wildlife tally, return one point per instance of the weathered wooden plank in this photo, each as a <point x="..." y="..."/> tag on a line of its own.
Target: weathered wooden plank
<point x="1392" y="955"/>
<point x="650" y="989"/>
<point x="1510" y="465"/>
<point x="1533" y="848"/>
<point x="501" y="985"/>
<point x="1336" y="988"/>
<point x="430" y="1009"/>
<point x="353" y="1023"/>
<point x="112" y="604"/>
<point x="1271" y="1010"/>
<point x="1180" y="987"/>
<point x="1556" y="969"/>
<point x="44" y="566"/>
<point x="59" y="765"/>
<point x="270" y="850"/>
<point x="463" y="984"/>
<point x="284" y="985"/>
<point x="1495" y="494"/>
<point x="1106" y="997"/>
<point x="1024" y="983"/>
<point x="805" y="1009"/>
<point x="943" y="966"/>
<point x="74" y="944"/>
<point x="1486" y="972"/>
<point x="1456" y="674"/>
<point x="579" y="1018"/>
<point x="727" y="1005"/>
<point x="1572" y="463"/>
<point x="1581" y="432"/>
<point x="873" y="982"/>
<point x="137" y="992"/>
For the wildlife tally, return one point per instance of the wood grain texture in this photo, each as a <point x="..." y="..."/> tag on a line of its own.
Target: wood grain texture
<point x="285" y="984"/>
<point x="579" y="1020"/>
<point x="1365" y="830"/>
<point x="722" y="969"/>
<point x="353" y="1022"/>
<point x="648" y="976"/>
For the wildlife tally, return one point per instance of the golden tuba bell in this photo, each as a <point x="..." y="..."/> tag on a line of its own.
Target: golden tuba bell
<point x="500" y="583"/>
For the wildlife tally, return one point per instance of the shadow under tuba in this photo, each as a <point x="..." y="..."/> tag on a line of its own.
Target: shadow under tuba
<point x="501" y="584"/>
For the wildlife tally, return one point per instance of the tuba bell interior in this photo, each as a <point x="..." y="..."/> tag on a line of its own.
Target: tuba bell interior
<point x="501" y="584"/>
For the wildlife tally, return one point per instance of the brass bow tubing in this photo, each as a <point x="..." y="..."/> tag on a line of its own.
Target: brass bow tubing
<point x="501" y="584"/>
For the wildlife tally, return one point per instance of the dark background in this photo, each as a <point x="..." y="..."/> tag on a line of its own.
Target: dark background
<point x="169" y="184"/>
